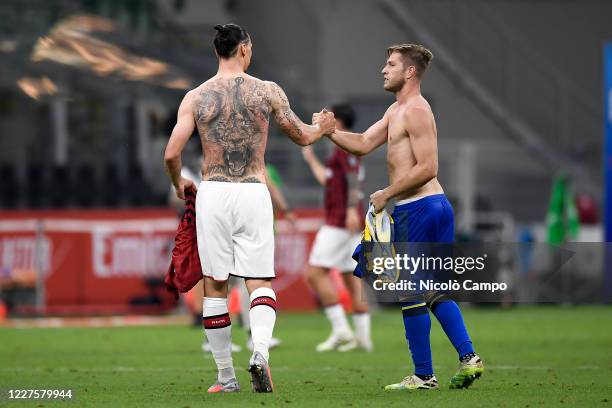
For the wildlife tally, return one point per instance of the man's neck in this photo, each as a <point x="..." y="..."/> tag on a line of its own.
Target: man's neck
<point x="410" y="89"/>
<point x="230" y="66"/>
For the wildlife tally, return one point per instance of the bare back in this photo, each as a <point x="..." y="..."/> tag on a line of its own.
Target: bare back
<point x="232" y="117"/>
<point x="402" y="145"/>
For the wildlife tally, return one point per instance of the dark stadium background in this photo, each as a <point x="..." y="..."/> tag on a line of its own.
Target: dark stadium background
<point x="88" y="96"/>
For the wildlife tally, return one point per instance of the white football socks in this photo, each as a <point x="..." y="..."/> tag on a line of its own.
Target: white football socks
<point x="362" y="326"/>
<point x="262" y="316"/>
<point x="218" y="328"/>
<point x="336" y="316"/>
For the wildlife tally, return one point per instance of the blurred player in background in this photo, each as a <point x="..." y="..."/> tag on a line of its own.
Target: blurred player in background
<point x="341" y="176"/>
<point x="234" y="215"/>
<point x="422" y="211"/>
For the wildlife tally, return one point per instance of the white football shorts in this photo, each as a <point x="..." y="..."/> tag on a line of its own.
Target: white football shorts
<point x="333" y="248"/>
<point x="235" y="230"/>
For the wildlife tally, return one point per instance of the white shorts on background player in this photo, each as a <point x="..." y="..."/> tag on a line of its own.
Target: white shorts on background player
<point x="234" y="223"/>
<point x="333" y="248"/>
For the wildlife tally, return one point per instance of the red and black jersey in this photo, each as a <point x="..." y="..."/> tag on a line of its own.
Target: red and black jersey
<point x="185" y="270"/>
<point x="337" y="167"/>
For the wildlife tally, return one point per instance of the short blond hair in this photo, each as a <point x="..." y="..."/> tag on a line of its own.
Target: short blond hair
<point x="413" y="54"/>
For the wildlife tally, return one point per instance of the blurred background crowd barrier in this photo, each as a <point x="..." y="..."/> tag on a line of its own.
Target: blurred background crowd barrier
<point x="113" y="262"/>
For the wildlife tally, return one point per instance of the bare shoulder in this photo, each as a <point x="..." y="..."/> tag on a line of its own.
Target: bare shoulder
<point x="392" y="109"/>
<point x="418" y="106"/>
<point x="418" y="118"/>
<point x="276" y="94"/>
<point x="417" y="111"/>
<point x="254" y="79"/>
<point x="196" y="93"/>
<point x="261" y="87"/>
<point x="272" y="86"/>
<point x="204" y="84"/>
<point x="188" y="99"/>
<point x="190" y="95"/>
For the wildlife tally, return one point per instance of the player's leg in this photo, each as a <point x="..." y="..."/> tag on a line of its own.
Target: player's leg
<point x="262" y="313"/>
<point x="327" y="252"/>
<point x="253" y="239"/>
<point x="470" y="365"/>
<point x="245" y="310"/>
<point x="319" y="279"/>
<point x="361" y="314"/>
<point x="417" y="326"/>
<point x="218" y="328"/>
<point x="245" y="306"/>
<point x="341" y="334"/>
<point x="447" y="311"/>
<point x="411" y="225"/>
<point x="263" y="317"/>
<point x="215" y="249"/>
<point x="197" y="299"/>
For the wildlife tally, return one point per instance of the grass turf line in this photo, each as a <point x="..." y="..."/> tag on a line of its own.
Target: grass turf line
<point x="534" y="357"/>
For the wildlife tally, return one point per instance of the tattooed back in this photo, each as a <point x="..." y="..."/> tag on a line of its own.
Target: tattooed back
<point x="232" y="116"/>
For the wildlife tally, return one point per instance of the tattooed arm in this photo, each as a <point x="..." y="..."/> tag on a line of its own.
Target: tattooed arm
<point x="291" y="125"/>
<point x="185" y="125"/>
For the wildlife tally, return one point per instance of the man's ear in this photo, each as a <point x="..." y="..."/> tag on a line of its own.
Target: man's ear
<point x="243" y="49"/>
<point x="411" y="72"/>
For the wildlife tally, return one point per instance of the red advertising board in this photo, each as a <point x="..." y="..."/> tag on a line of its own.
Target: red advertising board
<point x="104" y="261"/>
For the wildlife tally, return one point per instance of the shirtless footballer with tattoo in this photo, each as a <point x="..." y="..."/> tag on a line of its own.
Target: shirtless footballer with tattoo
<point x="234" y="219"/>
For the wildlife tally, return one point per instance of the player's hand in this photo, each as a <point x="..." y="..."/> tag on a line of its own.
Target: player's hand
<point x="292" y="220"/>
<point x="315" y="118"/>
<point x="379" y="200"/>
<point x="353" y="220"/>
<point x="183" y="185"/>
<point x="326" y="121"/>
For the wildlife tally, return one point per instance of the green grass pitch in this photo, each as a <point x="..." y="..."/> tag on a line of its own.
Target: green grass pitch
<point x="534" y="357"/>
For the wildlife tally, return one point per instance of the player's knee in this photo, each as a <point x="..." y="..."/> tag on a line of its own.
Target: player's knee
<point x="360" y="307"/>
<point x="314" y="275"/>
<point x="360" y="303"/>
<point x="311" y="278"/>
<point x="351" y="282"/>
<point x="433" y="299"/>
<point x="414" y="309"/>
<point x="213" y="288"/>
<point x="254" y="284"/>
